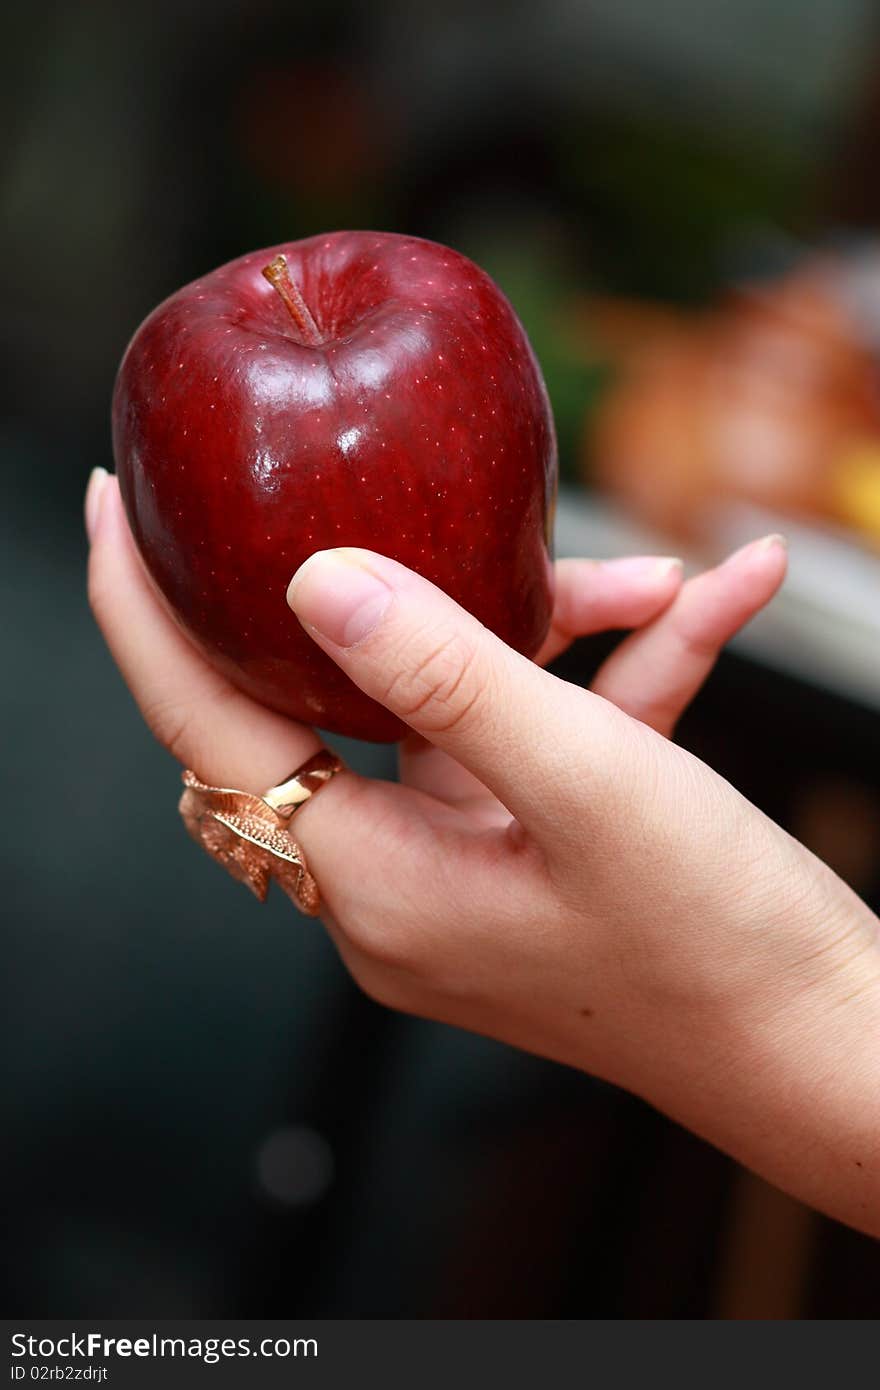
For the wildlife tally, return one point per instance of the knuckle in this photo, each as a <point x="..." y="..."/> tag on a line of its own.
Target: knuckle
<point x="442" y="691"/>
<point x="169" y="724"/>
<point x="699" y="646"/>
<point x="187" y="727"/>
<point x="390" y="939"/>
<point x="173" y="725"/>
<point x="387" y="943"/>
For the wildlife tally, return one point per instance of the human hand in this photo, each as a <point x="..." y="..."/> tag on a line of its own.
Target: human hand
<point x="552" y="871"/>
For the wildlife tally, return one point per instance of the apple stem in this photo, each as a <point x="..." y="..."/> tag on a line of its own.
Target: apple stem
<point x="278" y="275"/>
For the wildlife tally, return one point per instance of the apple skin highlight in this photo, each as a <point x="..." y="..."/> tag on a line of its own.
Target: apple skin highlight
<point x="418" y="425"/>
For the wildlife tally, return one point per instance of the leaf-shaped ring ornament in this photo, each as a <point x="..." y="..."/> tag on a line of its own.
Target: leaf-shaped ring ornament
<point x="248" y="834"/>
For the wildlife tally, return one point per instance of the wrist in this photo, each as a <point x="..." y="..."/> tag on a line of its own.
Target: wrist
<point x="787" y="1079"/>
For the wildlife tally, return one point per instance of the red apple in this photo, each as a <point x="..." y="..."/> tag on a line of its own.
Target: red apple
<point x="358" y="389"/>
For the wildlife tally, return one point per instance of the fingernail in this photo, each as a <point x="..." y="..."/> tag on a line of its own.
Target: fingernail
<point x="97" y="479"/>
<point x="336" y="596"/>
<point x="646" y="566"/>
<point x="772" y="542"/>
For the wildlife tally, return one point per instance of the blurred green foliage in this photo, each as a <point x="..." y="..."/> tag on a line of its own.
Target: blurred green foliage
<point x="667" y="204"/>
<point x="545" y="298"/>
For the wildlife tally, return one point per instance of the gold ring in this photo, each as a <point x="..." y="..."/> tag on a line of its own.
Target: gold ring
<point x="248" y="834"/>
<point x="295" y="790"/>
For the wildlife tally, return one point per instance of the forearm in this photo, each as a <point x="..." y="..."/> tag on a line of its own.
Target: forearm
<point x="789" y="1083"/>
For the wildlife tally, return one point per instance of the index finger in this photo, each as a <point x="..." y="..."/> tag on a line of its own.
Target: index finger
<point x="203" y="721"/>
<point x="355" y="827"/>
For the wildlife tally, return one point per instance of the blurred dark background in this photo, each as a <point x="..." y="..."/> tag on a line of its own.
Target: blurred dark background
<point x="202" y="1116"/>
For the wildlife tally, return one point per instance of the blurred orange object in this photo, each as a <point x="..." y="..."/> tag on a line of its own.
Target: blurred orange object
<point x="770" y="398"/>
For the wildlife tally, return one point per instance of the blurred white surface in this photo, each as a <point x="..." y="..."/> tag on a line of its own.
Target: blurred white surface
<point x="824" y="625"/>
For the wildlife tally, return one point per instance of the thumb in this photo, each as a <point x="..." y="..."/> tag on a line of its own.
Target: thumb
<point x="410" y="647"/>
